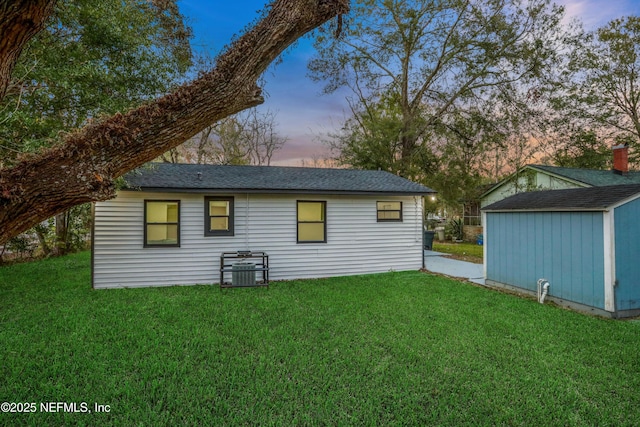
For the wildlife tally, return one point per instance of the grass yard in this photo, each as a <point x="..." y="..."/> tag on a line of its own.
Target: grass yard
<point x="389" y="349"/>
<point x="465" y="251"/>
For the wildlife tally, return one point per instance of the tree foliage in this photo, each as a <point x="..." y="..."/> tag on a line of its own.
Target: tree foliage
<point x="584" y="150"/>
<point x="86" y="163"/>
<point x="372" y="138"/>
<point x="465" y="141"/>
<point x="20" y="20"/>
<point x="601" y="89"/>
<point x="93" y="58"/>
<point x="436" y="85"/>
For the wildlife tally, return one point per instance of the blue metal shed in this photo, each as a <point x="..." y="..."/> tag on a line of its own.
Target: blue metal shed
<point x="585" y="242"/>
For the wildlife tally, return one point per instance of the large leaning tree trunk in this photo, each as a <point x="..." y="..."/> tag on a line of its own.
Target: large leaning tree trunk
<point x="83" y="167"/>
<point x="20" y="20"/>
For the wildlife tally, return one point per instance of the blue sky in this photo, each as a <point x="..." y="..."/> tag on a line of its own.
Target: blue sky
<point x="303" y="113"/>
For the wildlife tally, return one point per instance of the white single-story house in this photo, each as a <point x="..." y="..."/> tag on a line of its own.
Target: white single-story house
<point x="172" y="222"/>
<point x="584" y="242"/>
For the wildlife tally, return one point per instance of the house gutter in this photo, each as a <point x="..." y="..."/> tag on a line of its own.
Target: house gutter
<point x="276" y="191"/>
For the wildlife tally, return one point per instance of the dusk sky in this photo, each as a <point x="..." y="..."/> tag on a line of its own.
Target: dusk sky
<point x="303" y="113"/>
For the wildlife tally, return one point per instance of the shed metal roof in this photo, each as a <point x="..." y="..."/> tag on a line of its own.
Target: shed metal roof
<point x="575" y="199"/>
<point x="173" y="177"/>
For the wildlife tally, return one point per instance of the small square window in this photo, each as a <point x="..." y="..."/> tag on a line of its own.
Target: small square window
<point x="218" y="216"/>
<point x="389" y="211"/>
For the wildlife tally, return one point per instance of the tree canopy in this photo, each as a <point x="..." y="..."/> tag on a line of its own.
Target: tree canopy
<point x="84" y="165"/>
<point x="602" y="84"/>
<point x="416" y="68"/>
<point x="585" y="150"/>
<point x="93" y="58"/>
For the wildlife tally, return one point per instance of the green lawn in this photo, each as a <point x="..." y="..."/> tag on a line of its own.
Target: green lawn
<point x="466" y="251"/>
<point x="389" y="349"/>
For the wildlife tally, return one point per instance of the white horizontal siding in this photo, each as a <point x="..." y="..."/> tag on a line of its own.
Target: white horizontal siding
<point x="356" y="242"/>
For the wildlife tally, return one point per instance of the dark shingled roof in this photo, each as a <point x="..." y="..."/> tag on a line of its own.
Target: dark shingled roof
<point x="589" y="177"/>
<point x="268" y="179"/>
<point x="592" y="177"/>
<point x="575" y="199"/>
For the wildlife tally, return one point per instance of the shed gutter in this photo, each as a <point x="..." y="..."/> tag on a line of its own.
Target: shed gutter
<point x="570" y="208"/>
<point x="576" y="209"/>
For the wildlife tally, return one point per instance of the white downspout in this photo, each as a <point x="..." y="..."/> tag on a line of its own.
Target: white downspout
<point x="246" y="226"/>
<point x="609" y="237"/>
<point x="420" y="234"/>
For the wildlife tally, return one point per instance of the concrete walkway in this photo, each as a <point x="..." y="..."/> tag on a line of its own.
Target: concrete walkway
<point x="439" y="263"/>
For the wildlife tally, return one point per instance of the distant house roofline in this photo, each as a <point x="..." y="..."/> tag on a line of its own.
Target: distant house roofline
<point x="577" y="176"/>
<point x="556" y="171"/>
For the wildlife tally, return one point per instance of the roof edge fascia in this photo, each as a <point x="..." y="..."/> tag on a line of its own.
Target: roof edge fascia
<point x="262" y="191"/>
<point x="568" y="209"/>
<point x="625" y="201"/>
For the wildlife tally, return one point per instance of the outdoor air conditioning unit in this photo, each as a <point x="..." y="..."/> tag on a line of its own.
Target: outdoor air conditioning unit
<point x="243" y="274"/>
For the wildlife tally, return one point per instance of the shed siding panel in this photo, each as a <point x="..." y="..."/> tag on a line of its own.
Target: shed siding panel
<point x="563" y="247"/>
<point x="627" y="248"/>
<point x="356" y="242"/>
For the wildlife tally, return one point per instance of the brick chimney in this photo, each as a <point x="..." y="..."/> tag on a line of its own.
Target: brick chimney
<point x="621" y="159"/>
